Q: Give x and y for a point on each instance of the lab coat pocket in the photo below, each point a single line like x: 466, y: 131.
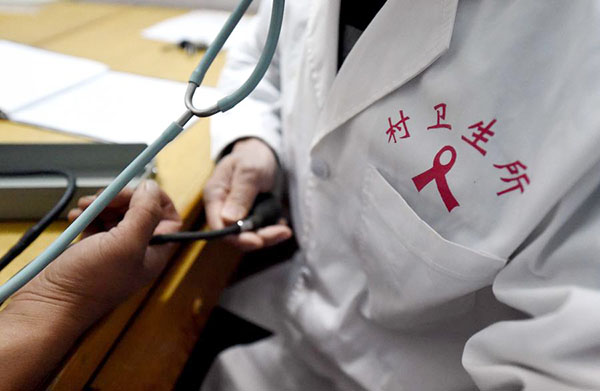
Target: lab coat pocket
x: 413, y: 275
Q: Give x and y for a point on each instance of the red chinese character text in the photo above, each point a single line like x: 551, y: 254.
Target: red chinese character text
x: 441, y: 116
x: 399, y: 127
x: 438, y: 173
x: 481, y: 134
x: 520, y: 179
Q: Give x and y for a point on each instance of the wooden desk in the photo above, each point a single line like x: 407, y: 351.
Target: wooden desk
x: 52, y: 21
x: 143, y: 344
x: 128, y: 51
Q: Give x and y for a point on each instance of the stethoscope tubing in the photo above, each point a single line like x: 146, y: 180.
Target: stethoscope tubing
x: 64, y: 240
x: 169, y: 134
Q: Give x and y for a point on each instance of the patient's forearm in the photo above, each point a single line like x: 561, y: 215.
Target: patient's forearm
x: 34, y: 337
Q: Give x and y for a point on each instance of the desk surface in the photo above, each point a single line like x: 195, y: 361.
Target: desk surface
x: 51, y: 21
x: 146, y: 341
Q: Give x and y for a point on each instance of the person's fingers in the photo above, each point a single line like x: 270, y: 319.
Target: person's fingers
x: 264, y: 237
x: 215, y: 192
x: 157, y: 256
x: 168, y: 208
x: 85, y: 201
x: 121, y: 200
x: 246, y: 241
x: 109, y: 217
x: 274, y: 234
x: 73, y: 214
x: 144, y: 213
x: 212, y: 211
x: 244, y: 188
x: 167, y: 227
x: 171, y: 221
x: 91, y: 229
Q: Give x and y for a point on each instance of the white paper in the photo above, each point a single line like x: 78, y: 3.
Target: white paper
x: 116, y: 107
x: 22, y: 6
x: 25, y: 2
x: 28, y: 74
x: 201, y: 26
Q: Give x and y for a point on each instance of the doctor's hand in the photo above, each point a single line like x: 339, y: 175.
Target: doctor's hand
x: 249, y: 169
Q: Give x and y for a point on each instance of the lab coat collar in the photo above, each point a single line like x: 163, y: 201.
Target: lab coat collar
x: 403, y: 40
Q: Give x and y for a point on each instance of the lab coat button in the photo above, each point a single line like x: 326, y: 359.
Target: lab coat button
x: 319, y: 168
x: 305, y: 276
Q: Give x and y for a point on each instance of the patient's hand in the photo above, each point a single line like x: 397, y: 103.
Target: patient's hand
x: 45, y: 317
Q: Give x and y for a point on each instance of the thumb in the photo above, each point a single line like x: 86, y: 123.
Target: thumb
x: 144, y: 212
x: 241, y: 196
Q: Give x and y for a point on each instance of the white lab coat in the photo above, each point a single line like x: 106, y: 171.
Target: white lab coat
x: 486, y: 278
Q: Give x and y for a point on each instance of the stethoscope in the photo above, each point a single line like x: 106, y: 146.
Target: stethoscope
x: 168, y: 135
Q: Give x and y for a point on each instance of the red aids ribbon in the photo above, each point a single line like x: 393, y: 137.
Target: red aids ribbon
x: 438, y: 173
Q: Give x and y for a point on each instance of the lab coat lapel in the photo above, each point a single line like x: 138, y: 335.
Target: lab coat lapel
x: 403, y: 40
x: 322, y: 46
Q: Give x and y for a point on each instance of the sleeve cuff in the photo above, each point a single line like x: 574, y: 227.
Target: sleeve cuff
x: 248, y: 119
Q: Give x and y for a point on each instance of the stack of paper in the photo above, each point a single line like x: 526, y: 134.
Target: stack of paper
x: 28, y: 75
x: 201, y: 26
x: 24, y: 2
x: 84, y: 97
x: 22, y: 6
x: 117, y: 107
